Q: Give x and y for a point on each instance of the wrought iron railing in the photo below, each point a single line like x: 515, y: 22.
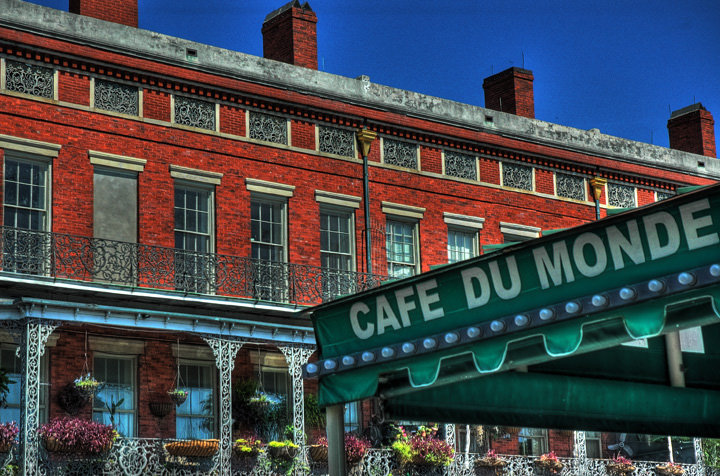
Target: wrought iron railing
x: 131, y: 264
x: 139, y: 456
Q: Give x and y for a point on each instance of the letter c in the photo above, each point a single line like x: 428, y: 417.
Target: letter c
x: 355, y: 309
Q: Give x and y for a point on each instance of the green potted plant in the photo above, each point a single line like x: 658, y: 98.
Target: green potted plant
x: 178, y: 396
x: 87, y: 385
x: 248, y: 447
x: 283, y: 450
x: 422, y: 451
x: 76, y: 435
x: 8, y: 436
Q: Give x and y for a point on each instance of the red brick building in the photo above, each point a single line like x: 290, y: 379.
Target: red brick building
x: 171, y: 207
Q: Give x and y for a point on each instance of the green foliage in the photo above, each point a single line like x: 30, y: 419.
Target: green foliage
x: 314, y: 415
x: 403, y: 452
x: 711, y: 452
x: 4, y: 387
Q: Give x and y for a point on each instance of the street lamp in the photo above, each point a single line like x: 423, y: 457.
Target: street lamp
x: 365, y: 138
x: 598, y: 185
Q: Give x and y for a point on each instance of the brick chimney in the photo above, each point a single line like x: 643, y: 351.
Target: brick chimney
x: 511, y: 91
x: 290, y: 36
x: 692, y: 129
x: 124, y: 12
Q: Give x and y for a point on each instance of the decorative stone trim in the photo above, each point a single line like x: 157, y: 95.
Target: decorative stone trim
x: 116, y: 161
x: 398, y: 209
x: 116, y: 346
x: 195, y: 175
x: 338, y: 199
x: 523, y: 232
x: 269, y: 188
x: 465, y: 221
x: 34, y: 147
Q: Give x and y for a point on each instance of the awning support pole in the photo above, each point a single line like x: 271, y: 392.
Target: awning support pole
x: 336, y: 439
x: 675, y: 370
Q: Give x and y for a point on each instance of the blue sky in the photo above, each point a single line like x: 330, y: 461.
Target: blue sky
x: 618, y: 66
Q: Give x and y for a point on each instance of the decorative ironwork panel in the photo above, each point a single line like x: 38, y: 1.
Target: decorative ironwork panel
x: 117, y: 97
x: 460, y: 165
x: 268, y: 128
x: 570, y: 186
x: 194, y: 113
x: 131, y: 264
x: 296, y: 357
x: 450, y: 434
x: 33, y: 347
x: 29, y: 79
x: 621, y: 195
x: 580, y: 449
x: 225, y: 351
x: 517, y: 176
x: 664, y: 195
x: 402, y: 154
x: 336, y: 141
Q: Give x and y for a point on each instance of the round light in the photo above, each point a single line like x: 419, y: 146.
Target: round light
x: 573, y: 307
x: 497, y: 326
x: 627, y: 294
x: 429, y: 343
x: 715, y: 270
x: 656, y: 286
x: 387, y: 352
x: 521, y: 320
x: 330, y: 364
x: 408, y: 347
x: 686, y: 279
x: 473, y: 332
x: 368, y: 356
x: 451, y: 337
x: 348, y: 360
x: 546, y: 314
x: 311, y: 368
x: 599, y: 300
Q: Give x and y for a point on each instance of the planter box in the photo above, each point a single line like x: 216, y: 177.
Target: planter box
x: 54, y: 446
x: 193, y: 448
x: 284, y: 453
x: 319, y: 453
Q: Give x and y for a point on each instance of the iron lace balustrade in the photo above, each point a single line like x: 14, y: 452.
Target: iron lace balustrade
x: 81, y: 258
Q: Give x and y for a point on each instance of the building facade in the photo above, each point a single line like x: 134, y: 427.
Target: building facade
x: 170, y: 208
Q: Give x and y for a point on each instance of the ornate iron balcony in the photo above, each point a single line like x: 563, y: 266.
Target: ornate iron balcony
x: 130, y: 264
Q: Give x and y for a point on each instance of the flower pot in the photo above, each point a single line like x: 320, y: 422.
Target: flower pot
x: 52, y: 445
x: 490, y: 467
x: 193, y: 448
x: 662, y: 470
x: 178, y: 398
x: 160, y: 409
x: 319, y: 453
x: 547, y: 468
x: 284, y: 453
x: 619, y: 469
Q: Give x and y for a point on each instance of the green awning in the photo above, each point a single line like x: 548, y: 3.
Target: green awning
x: 448, y: 340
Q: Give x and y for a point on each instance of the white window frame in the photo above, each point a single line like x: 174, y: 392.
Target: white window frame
x: 214, y: 387
x: 541, y: 438
x: 514, y: 232
x: 594, y: 439
x: 464, y: 224
x: 135, y: 388
x: 415, y: 266
x: 473, y: 234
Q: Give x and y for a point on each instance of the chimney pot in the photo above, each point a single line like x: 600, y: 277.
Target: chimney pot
x: 290, y: 35
x: 511, y: 91
x: 124, y: 12
x: 692, y: 129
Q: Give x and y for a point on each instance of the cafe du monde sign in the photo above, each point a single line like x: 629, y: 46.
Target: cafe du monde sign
x: 642, y: 254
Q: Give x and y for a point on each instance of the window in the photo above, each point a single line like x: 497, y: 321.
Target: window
x: 268, y: 128
x: 621, y: 195
x: 194, y: 113
x: 401, y: 246
x: 402, y: 154
x: 275, y: 379
x: 25, y: 208
x: 336, y: 252
x: 570, y: 186
x: 116, y: 97
x: 517, y: 176
x: 336, y: 141
x: 352, y: 417
x: 460, y: 165
x: 10, y: 362
x: 30, y: 79
x: 514, y: 232
x: 593, y: 444
x: 195, y: 418
x: 115, y: 402
x: 268, y: 248
x: 462, y: 245
x: 533, y: 441
x: 193, y: 238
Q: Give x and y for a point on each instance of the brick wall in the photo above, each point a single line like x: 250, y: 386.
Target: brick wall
x: 511, y: 91
x: 117, y: 11
x: 290, y: 36
x: 692, y: 129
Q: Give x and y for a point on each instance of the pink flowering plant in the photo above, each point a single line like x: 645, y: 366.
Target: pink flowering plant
x: 620, y: 465
x: 550, y: 462
x: 78, y: 435
x: 8, y: 433
x: 355, y: 447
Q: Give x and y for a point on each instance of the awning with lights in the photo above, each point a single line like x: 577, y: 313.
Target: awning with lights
x: 530, y: 334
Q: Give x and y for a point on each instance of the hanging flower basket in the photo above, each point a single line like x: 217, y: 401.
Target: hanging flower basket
x: 193, y: 448
x: 178, y: 396
x: 160, y: 404
x: 548, y: 464
x: 620, y: 466
x: 87, y: 385
x: 282, y: 450
x: 669, y: 469
x: 248, y: 448
x: 490, y: 465
x: 318, y: 453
